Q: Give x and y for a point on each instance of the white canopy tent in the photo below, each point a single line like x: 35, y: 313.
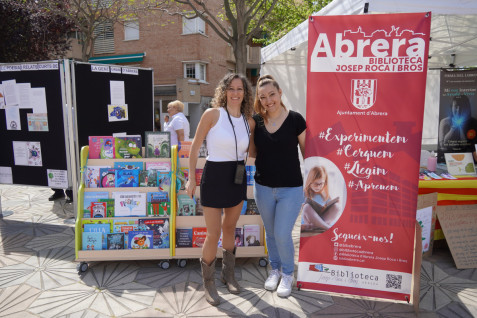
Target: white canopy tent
x: 453, y: 44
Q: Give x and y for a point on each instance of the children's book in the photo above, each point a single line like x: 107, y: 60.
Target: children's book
x: 115, y: 241
x: 184, y: 149
x: 199, y: 210
x: 109, y: 207
x: 157, y: 197
x: 186, y: 205
x: 129, y: 204
x: 129, y: 165
x: 127, y: 147
x: 250, y: 170
x: 102, y: 228
x: 251, y: 235
x: 101, y: 147
x: 184, y: 237
x: 92, y: 241
x: 92, y: 197
x: 127, y: 178
x: 244, y: 208
x: 158, y: 204
x: 151, y: 178
x: 143, y: 178
x: 198, y: 175
x: 160, y: 229
x: 91, y: 176
x: 140, y: 239
x: 219, y: 243
x: 159, y: 165
x: 164, y: 181
x: 124, y: 226
x: 107, y: 177
x: 109, y: 222
x: 98, y: 209
x: 198, y: 236
x: 203, y: 150
x: 252, y: 208
x: 158, y: 144
x: 238, y: 236
x: 321, y: 209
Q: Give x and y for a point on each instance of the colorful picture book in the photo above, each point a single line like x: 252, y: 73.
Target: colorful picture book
x: 164, y: 181
x: 109, y: 222
x: 140, y: 239
x: 160, y: 229
x: 92, y: 176
x: 158, y: 144
x: 184, y: 237
x: 158, y: 204
x: 107, y: 177
x: 185, y: 205
x: 250, y: 170
x: 244, y: 208
x: 198, y: 236
x: 101, y: 228
x: 198, y: 175
x: 199, y: 210
x: 238, y: 237
x: 203, y: 150
x: 92, y: 241
x: 124, y: 226
x: 109, y: 207
x: 115, y: 241
x: 98, y: 209
x: 101, y: 147
x: 184, y: 149
x: 129, y: 203
x: 127, y: 178
x: 160, y: 166
x: 92, y: 197
x: 251, y: 235
x: 127, y: 147
x: 129, y: 165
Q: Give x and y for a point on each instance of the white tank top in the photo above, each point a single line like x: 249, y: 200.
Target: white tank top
x: 221, y: 140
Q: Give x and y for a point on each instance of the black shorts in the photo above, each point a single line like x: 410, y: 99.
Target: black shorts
x: 217, y: 187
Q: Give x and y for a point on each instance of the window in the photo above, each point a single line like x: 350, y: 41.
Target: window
x: 195, y: 70
x: 104, y: 42
x: 131, y: 30
x: 101, y: 4
x: 191, y: 26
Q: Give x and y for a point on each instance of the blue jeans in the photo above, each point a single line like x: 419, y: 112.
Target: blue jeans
x: 279, y: 208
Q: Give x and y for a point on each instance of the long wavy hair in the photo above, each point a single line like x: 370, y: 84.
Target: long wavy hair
x: 262, y: 81
x: 317, y: 172
x: 220, y: 96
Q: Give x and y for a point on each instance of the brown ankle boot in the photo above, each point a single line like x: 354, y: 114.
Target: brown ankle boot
x: 228, y: 272
x: 210, y: 290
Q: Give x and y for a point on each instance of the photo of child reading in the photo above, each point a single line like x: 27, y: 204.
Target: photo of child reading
x: 322, y: 208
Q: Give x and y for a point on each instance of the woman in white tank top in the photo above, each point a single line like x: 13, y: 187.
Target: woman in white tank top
x: 227, y: 128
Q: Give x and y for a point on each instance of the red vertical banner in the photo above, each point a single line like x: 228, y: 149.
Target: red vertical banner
x: 365, y: 106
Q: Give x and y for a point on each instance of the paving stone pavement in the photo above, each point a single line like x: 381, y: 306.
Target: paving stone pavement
x: 38, y: 278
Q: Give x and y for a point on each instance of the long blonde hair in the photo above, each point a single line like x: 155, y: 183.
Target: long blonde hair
x: 316, y: 172
x: 220, y: 96
x: 262, y: 81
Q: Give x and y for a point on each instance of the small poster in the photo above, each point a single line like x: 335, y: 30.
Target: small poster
x: 6, y: 175
x: 27, y: 153
x: 37, y: 122
x: 12, y: 116
x: 460, y: 163
x: 38, y: 100
x: 424, y: 218
x: 116, y: 89
x: 117, y: 112
x: 57, y: 179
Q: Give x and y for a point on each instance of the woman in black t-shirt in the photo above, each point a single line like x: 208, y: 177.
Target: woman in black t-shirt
x: 278, y: 187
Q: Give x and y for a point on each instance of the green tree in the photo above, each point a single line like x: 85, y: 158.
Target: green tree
x: 31, y: 32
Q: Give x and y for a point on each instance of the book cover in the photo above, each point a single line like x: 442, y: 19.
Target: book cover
x: 244, y: 208
x: 151, y: 178
x: 91, y: 176
x: 159, y: 165
x: 143, y: 178
x: 252, y: 208
x: 203, y: 150
x: 184, y: 149
x: 118, y: 224
x: 164, y: 181
x: 251, y: 235
x: 129, y: 165
x: 238, y: 237
x: 198, y: 175
x: 92, y: 241
x: 160, y: 229
x: 129, y: 203
x: 219, y: 243
x: 140, y: 239
x: 157, y: 197
x: 199, y: 210
x: 92, y: 197
x: 127, y: 147
x: 107, y: 177
x: 97, y: 221
x: 98, y: 209
x: 101, y: 147
x: 158, y: 144
x: 185, y: 205
x: 184, y: 237
x: 115, y: 241
x: 250, y: 170
x: 159, y: 209
x: 127, y: 178
x: 109, y: 207
x: 198, y: 236
x: 101, y: 228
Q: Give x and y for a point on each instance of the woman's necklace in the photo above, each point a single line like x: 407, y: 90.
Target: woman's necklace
x: 274, y: 122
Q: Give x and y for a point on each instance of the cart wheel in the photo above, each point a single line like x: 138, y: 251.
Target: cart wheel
x: 263, y: 262
x: 164, y: 264
x: 181, y: 263
x: 82, y: 267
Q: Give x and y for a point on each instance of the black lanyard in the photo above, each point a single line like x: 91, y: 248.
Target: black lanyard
x: 247, y: 127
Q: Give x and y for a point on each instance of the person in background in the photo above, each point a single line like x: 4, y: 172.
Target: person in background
x: 59, y: 194
x: 179, y: 125
x: 278, y: 186
x: 166, y: 122
x: 223, y: 187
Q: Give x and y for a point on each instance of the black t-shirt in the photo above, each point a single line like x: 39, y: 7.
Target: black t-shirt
x: 277, y: 163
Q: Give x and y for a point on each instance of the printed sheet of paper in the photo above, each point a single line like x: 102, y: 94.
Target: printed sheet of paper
x: 424, y: 217
x: 38, y: 100
x: 117, y: 92
x: 57, y: 179
x: 10, y: 90
x: 24, y: 94
x: 37, y: 122
x: 27, y: 153
x: 2, y: 97
x: 12, y: 116
x: 6, y: 175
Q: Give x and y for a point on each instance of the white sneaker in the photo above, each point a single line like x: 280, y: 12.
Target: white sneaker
x: 285, y: 287
x: 273, y: 278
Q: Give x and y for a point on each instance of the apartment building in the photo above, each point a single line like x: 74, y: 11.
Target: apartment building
x: 187, y: 56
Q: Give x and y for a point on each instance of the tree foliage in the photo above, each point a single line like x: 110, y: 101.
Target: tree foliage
x: 286, y: 15
x: 30, y: 32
